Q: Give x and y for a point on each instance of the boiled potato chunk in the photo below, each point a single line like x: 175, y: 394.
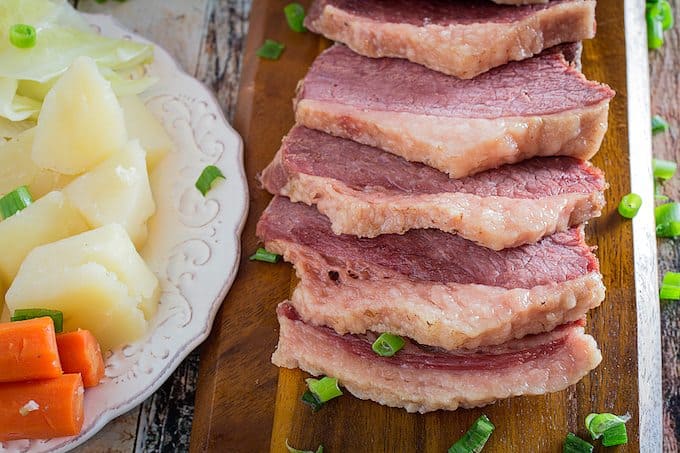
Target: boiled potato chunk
x: 47, y: 220
x: 81, y: 123
x: 18, y: 169
x: 116, y: 191
x: 142, y: 125
x: 97, y: 279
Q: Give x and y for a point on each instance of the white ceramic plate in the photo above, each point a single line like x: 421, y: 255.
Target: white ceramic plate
x: 193, y: 247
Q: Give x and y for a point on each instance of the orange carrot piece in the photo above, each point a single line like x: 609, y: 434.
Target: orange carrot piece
x: 80, y: 353
x: 28, y: 350
x: 41, y: 409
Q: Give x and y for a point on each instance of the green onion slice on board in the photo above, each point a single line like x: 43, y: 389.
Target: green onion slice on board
x: 659, y: 124
x: 387, y: 344
x: 22, y: 314
x: 271, y: 50
x: 13, y: 202
x: 325, y: 389
x: 664, y: 169
x: 295, y: 16
x: 654, y: 33
x: 475, y: 438
x: 667, y: 220
x: 670, y: 286
x: 630, y: 205
x: 265, y: 256
x: 616, y: 435
x: 574, y: 444
x: 209, y: 176
x: 597, y: 424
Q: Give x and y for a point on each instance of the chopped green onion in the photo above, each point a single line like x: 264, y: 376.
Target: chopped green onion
x: 271, y: 50
x: 670, y: 287
x: 264, y: 255
x: 658, y: 192
x: 312, y: 400
x: 664, y: 169
x: 475, y: 438
x: 654, y: 33
x: 574, y: 444
x: 659, y: 124
x: 616, y: 435
x: 667, y: 220
x: 13, y: 202
x: 22, y: 36
x: 630, y: 205
x: 295, y: 450
x: 662, y: 12
x: 23, y: 314
x: 295, y: 16
x: 209, y: 175
x: 597, y: 424
x: 325, y: 389
x: 386, y: 345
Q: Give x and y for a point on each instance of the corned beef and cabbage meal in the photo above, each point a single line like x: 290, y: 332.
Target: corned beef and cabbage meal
x: 76, y: 148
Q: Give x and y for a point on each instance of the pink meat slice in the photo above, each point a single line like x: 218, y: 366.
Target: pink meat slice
x: 537, y: 107
x: 422, y: 379
x: 429, y: 255
x: 458, y: 37
x: 368, y: 192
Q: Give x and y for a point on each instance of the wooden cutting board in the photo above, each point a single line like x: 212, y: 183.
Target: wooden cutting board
x: 244, y: 403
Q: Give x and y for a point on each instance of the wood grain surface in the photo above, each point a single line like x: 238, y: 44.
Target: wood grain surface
x: 248, y: 404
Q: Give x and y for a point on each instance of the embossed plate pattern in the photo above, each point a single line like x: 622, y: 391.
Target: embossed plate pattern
x: 193, y: 247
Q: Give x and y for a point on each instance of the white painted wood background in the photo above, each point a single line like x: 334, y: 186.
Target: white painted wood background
x: 206, y: 37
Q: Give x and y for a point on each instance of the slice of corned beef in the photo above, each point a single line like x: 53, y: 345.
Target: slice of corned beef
x: 462, y: 38
x: 422, y: 379
x: 541, y: 106
x: 432, y: 286
x: 367, y: 192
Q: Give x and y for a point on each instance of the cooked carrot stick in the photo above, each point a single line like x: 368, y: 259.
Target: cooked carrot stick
x: 28, y: 350
x: 80, y: 353
x: 41, y: 409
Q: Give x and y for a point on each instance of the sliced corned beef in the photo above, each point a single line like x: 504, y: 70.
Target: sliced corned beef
x: 536, y: 107
x: 435, y: 287
x: 367, y: 192
x: 462, y: 38
x: 422, y: 379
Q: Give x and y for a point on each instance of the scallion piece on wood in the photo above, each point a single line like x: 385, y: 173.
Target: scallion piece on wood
x: 325, y: 389
x: 616, y: 435
x: 662, y: 12
x: 659, y: 124
x: 387, y: 344
x: 15, y: 201
x: 271, y: 50
x: 23, y: 314
x: 630, y: 205
x: 664, y: 169
x: 654, y: 33
x: 312, y: 400
x: 597, y: 424
x: 22, y: 36
x: 264, y: 255
x: 667, y: 220
x: 574, y: 444
x: 295, y: 450
x: 474, y: 440
x: 670, y: 287
x: 209, y: 175
x: 295, y: 16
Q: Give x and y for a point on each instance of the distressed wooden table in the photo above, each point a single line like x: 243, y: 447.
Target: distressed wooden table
x: 207, y: 37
